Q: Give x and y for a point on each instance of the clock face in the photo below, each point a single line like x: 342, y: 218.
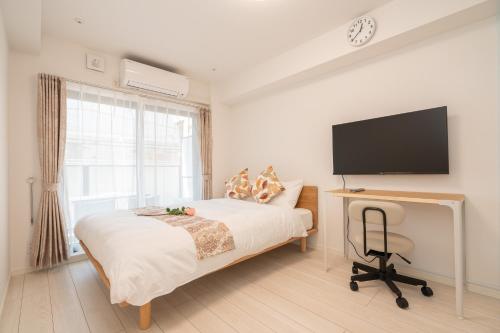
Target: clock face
x: 361, y: 30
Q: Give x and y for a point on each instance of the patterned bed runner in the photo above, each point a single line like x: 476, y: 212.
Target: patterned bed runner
x: 210, y: 237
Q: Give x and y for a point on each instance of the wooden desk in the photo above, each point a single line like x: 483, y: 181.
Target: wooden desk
x: 454, y: 201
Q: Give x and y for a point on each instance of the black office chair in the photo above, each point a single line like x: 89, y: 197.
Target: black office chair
x: 382, y: 244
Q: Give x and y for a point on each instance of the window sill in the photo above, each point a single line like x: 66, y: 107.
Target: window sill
x: 77, y: 256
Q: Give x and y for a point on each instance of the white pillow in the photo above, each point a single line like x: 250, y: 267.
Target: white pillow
x: 289, y: 197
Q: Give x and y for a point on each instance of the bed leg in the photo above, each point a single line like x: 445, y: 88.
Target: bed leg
x: 145, y: 316
x: 303, y: 244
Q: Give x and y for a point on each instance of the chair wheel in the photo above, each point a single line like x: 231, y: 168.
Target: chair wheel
x: 427, y: 291
x: 354, y: 286
x: 354, y: 270
x: 402, y: 302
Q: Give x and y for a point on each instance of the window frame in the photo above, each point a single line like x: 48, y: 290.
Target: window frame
x: 139, y: 104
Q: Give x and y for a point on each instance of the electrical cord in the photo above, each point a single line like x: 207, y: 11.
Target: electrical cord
x: 348, y: 239
x: 355, y: 250
x: 354, y: 247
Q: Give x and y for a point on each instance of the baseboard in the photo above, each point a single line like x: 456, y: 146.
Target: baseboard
x: 480, y: 289
x: 428, y: 276
x: 3, y: 297
x: 26, y: 270
x: 424, y: 275
x: 22, y: 271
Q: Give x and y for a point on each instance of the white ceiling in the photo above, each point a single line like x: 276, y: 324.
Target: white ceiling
x: 194, y: 36
x: 23, y: 23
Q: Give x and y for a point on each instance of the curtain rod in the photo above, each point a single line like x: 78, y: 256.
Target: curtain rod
x: 142, y: 94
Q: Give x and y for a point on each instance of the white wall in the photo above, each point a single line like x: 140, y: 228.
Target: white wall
x: 400, y: 23
x: 4, y: 232
x: 59, y: 58
x: 292, y: 131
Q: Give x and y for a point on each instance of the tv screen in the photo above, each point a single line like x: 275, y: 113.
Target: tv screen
x: 414, y: 142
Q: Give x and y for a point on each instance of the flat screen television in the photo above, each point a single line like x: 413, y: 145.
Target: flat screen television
x: 407, y: 143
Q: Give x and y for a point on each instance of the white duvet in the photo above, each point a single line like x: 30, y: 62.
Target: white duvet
x: 144, y: 258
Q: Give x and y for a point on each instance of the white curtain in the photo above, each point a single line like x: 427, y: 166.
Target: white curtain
x: 124, y: 151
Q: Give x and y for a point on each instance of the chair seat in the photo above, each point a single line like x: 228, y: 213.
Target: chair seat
x: 396, y: 243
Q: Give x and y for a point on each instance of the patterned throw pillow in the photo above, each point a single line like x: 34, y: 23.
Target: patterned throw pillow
x: 267, y: 186
x: 238, y: 186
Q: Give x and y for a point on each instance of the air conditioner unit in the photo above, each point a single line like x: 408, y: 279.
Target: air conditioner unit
x: 136, y: 75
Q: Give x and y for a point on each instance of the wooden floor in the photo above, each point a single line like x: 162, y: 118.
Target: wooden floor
x: 281, y: 291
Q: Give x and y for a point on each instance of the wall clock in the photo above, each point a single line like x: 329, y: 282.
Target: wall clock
x: 361, y: 30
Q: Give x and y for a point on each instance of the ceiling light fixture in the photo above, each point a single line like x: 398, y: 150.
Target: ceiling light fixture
x: 79, y: 20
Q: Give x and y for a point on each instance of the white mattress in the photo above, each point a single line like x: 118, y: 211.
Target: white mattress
x: 306, y: 217
x: 144, y: 258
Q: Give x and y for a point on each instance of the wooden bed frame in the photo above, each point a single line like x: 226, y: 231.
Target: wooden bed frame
x: 308, y: 199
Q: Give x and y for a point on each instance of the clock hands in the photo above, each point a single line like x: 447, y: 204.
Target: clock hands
x: 353, y: 38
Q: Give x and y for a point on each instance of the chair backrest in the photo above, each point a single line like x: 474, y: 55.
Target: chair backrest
x: 395, y: 213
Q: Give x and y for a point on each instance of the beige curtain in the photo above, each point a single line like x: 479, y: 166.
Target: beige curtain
x: 206, y: 152
x: 49, y: 237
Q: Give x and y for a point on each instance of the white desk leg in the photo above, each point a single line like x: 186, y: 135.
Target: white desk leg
x: 458, y: 227
x: 458, y: 232
x: 325, y: 233
x: 345, y: 215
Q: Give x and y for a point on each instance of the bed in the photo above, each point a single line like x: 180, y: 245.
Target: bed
x: 139, y: 258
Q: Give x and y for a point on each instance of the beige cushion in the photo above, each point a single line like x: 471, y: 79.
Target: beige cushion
x: 238, y: 186
x: 396, y: 243
x: 395, y: 213
x: 267, y: 186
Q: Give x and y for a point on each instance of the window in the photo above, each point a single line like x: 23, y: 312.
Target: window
x: 125, y: 151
